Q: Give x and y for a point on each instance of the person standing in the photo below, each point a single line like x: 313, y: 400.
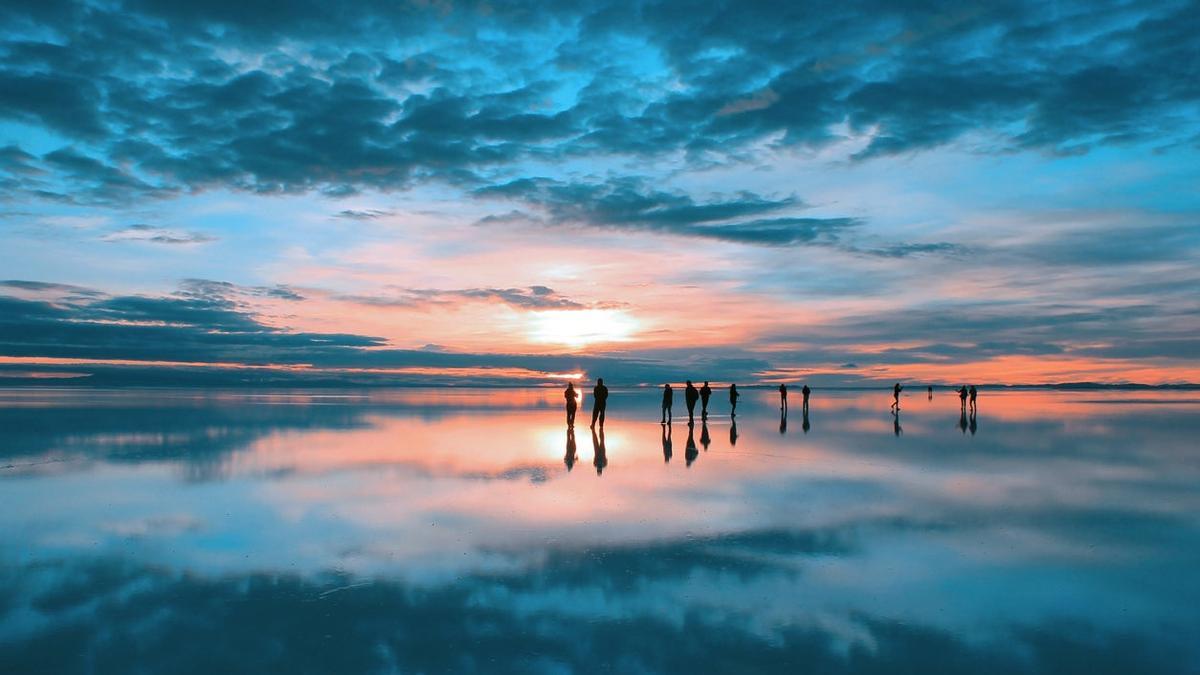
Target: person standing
x: 805, y: 392
x: 689, y: 397
x: 667, y: 401
x: 733, y: 397
x: 930, y: 390
x: 973, y: 393
x: 572, y: 403
x: 962, y: 397
x: 782, y: 396
x: 599, y: 402
x: 896, y: 389
x: 705, y: 394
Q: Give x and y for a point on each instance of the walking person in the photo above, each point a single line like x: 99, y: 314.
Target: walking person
x: 705, y: 394
x: 690, y: 395
x: 733, y: 397
x: 572, y: 403
x: 668, y: 399
x: 896, y: 389
x: 599, y: 402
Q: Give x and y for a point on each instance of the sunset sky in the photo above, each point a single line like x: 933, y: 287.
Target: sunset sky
x: 458, y: 192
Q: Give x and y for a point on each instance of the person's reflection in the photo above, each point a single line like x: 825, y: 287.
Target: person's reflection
x: 973, y: 426
x: 599, y: 455
x: 962, y: 420
x: 733, y: 433
x: 804, y: 425
x: 666, y: 441
x: 691, y: 453
x: 783, y: 421
x: 896, y: 428
x: 569, y: 458
x: 705, y: 439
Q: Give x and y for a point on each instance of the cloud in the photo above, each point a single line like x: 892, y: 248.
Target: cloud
x: 157, y: 235
x: 629, y: 204
x: 533, y: 297
x: 365, y: 214
x: 48, y: 287
x: 158, y: 100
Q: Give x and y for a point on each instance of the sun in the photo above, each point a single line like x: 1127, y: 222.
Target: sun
x: 583, y: 327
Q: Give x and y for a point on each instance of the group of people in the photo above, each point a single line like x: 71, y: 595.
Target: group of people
x: 964, y: 392
x: 967, y: 395
x: 599, y: 402
x: 691, y: 395
x: 702, y: 395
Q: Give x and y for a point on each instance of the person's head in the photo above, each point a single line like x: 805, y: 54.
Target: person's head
x: 689, y: 383
x: 600, y: 381
x: 570, y: 385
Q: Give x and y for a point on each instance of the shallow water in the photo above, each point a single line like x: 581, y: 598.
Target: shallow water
x: 451, y: 531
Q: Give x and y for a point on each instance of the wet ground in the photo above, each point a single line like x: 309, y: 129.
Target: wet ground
x: 446, y: 531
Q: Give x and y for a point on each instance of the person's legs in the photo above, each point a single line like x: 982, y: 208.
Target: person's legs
x: 602, y: 409
x: 595, y: 413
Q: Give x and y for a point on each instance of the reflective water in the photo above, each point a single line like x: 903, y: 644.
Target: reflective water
x: 445, y: 531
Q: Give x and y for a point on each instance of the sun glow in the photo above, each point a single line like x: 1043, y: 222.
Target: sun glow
x: 580, y: 328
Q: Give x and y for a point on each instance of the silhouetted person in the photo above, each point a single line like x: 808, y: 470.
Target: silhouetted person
x: 705, y: 440
x: 805, y: 393
x: 804, y: 426
x: 569, y: 458
x: 666, y: 441
x: 572, y: 403
x: 782, y: 420
x: 599, y: 401
x: 782, y: 396
x: 973, y: 426
x: 973, y: 394
x: 690, y: 453
x: 668, y: 400
x: 962, y: 397
x: 599, y: 454
x: 896, y: 389
x: 690, y: 395
x: 733, y: 397
x: 733, y: 434
x: 930, y: 390
x: 896, y: 422
x: 705, y: 394
x: 962, y: 419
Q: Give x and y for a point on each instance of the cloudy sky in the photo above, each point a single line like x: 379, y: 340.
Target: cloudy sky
x: 448, y: 191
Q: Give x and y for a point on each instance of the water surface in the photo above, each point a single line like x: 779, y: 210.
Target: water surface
x: 456, y: 531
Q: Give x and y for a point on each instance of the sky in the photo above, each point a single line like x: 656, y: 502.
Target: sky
x: 469, y: 193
